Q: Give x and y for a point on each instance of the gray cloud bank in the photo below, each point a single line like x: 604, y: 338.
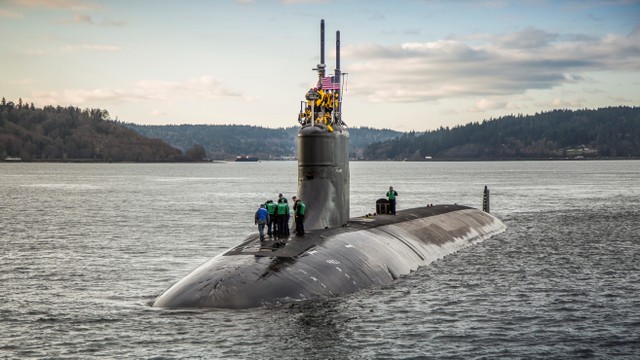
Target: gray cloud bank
x: 502, y: 65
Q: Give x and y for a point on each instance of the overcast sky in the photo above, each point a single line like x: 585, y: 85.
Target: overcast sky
x: 411, y: 64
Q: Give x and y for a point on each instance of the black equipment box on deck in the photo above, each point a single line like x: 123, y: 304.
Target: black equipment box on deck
x: 382, y: 207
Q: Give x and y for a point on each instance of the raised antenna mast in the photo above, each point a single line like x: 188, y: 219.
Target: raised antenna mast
x: 338, y: 53
x: 321, y: 66
x: 322, y: 42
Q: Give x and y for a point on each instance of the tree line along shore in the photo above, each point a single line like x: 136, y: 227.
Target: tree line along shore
x: 55, y: 133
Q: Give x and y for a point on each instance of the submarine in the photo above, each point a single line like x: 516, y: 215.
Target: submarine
x: 337, y: 255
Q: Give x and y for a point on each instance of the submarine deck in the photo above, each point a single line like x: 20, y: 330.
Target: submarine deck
x: 294, y: 246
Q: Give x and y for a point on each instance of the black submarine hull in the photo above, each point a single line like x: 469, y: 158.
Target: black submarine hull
x: 368, y: 252
x: 336, y: 256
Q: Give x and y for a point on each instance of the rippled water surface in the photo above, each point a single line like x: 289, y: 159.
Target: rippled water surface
x: 86, y: 247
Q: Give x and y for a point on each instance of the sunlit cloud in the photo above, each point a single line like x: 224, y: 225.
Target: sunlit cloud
x: 22, y: 82
x: 74, y: 5
x: 79, y: 19
x: 82, y: 19
x: 622, y: 100
x: 31, y: 53
x: 113, y: 23
x: 209, y: 88
x: 558, y: 103
x: 303, y: 1
x: 90, y: 47
x: 204, y: 87
x: 285, y: 2
x: 10, y: 14
x: 486, y: 105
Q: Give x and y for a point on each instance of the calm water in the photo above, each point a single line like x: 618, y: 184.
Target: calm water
x: 85, y: 247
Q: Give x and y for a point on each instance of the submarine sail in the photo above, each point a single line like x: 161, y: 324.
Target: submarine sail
x: 323, y: 149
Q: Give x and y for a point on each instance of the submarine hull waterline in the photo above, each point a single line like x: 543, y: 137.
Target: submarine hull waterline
x: 368, y: 252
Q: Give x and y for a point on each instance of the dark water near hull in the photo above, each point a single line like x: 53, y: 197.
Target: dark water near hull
x: 85, y: 247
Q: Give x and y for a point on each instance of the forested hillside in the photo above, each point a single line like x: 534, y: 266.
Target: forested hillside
x: 71, y: 134
x: 228, y: 141
x: 55, y: 133
x: 225, y: 141
x: 612, y: 132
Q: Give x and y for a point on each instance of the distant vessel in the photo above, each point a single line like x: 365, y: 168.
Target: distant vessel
x: 13, y: 158
x: 337, y: 255
x: 246, y: 158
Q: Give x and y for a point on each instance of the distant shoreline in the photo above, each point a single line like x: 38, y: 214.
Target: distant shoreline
x: 83, y: 161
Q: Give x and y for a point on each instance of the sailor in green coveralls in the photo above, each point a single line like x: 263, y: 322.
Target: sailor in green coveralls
x: 299, y: 209
x: 391, y: 195
x: 272, y: 225
x: 281, y: 217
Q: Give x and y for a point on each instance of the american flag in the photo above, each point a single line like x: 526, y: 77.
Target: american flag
x: 330, y: 83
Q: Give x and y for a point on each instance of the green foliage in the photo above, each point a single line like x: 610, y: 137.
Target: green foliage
x: 606, y: 132
x: 227, y: 141
x: 196, y: 153
x: 360, y: 138
x: 71, y: 134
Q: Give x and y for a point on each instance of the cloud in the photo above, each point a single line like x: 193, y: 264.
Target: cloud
x: 304, y: 2
x: 82, y: 19
x: 31, y: 53
x: 621, y: 99
x: 113, y: 23
x: 74, y: 5
x: 209, y: 88
x: 204, y: 87
x: 10, y: 14
x: 22, y: 82
x: 375, y: 15
x: 559, y: 103
x: 68, y: 5
x: 79, y: 19
x: 575, y: 78
x: 528, y: 38
x: 91, y: 47
x: 485, y: 105
x: 496, y: 66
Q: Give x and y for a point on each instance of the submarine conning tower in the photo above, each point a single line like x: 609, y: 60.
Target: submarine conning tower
x: 323, y: 149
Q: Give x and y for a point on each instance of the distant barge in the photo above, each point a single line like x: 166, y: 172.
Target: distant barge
x: 246, y: 158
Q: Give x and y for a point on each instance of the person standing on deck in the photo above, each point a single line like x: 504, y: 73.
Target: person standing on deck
x: 295, y: 205
x: 261, y: 219
x: 271, y: 224
x: 286, y: 220
x: 299, y: 209
x: 281, y: 218
x: 391, y: 195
